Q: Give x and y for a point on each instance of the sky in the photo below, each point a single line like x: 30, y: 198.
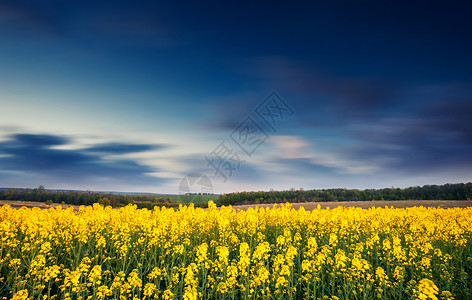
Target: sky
x: 142, y: 96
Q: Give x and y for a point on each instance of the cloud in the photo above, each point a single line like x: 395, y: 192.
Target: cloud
x: 33, y: 154
x: 452, y: 117
x: 227, y: 112
x: 118, y: 148
x: 290, y: 147
x: 346, y: 94
x: 303, y: 155
x: 436, y: 137
x: 374, y: 124
x: 304, y: 167
x: 39, y: 140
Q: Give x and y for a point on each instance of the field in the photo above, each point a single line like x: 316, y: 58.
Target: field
x: 256, y: 253
x: 369, y: 204
x: 186, y: 199
x: 29, y: 204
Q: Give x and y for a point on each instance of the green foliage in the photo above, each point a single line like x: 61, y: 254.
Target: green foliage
x: 459, y: 191
x: 197, y: 199
x: 40, y: 194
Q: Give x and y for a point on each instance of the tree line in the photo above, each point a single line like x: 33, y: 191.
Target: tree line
x: 40, y: 194
x: 459, y: 191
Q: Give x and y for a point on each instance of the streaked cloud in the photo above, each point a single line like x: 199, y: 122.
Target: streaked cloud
x: 118, y: 148
x: 34, y: 153
x: 134, y: 95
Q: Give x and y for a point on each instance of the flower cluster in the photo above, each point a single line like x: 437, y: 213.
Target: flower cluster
x: 191, y: 253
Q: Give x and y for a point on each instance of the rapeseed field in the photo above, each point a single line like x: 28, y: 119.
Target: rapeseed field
x: 273, y: 253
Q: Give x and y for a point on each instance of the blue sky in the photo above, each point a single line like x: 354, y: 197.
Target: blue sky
x: 129, y: 96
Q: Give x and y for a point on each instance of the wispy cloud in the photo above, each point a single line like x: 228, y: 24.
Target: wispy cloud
x: 35, y: 154
x: 291, y: 147
x: 295, y: 151
x: 119, y: 148
x: 435, y: 137
x: 347, y: 94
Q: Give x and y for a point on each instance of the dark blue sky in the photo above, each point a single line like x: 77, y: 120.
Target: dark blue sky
x: 132, y: 96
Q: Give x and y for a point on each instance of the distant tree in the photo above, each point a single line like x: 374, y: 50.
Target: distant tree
x: 105, y: 201
x: 39, y: 193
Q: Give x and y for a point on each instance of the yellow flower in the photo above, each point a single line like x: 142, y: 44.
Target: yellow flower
x: 446, y: 295
x: 222, y: 288
x: 259, y: 253
x: 103, y: 291
x: 149, y: 290
x: 427, y: 290
x: 167, y: 295
x: 20, y: 295
x: 155, y: 273
x: 14, y: 263
x: 51, y: 273
x: 95, y: 275
x: 202, y: 253
x: 134, y: 280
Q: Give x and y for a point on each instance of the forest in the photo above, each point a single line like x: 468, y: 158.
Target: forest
x: 459, y: 191
x: 40, y: 194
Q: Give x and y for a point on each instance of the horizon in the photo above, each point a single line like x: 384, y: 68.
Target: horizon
x: 209, y: 96
x: 177, y: 194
